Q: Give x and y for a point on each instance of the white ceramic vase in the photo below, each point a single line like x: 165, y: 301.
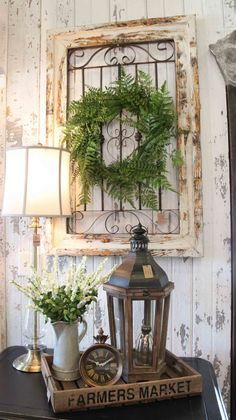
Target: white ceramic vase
x: 65, y: 364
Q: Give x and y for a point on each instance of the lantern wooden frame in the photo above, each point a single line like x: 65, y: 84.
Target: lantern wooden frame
x: 132, y: 373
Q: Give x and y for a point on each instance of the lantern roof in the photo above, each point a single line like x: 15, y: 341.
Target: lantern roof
x: 139, y: 269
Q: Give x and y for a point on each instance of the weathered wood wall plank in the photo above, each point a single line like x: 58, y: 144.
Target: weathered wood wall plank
x: 193, y: 7
x: 118, y: 10
x: 202, y: 269
x: 166, y: 265
x: 17, y: 126
x: 137, y: 12
x: 216, y: 197
x: 48, y: 21
x: 229, y: 12
x: 221, y: 276
x: 200, y: 309
x: 155, y: 8
x: 3, y: 71
x: 178, y: 325
x: 65, y: 10
x: 173, y: 8
x: 83, y: 12
x: 100, y: 11
x: 229, y: 15
x: 182, y: 311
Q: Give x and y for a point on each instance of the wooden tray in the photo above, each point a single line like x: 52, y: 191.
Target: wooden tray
x: 179, y: 380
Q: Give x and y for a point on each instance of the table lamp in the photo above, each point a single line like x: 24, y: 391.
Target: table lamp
x: 36, y: 185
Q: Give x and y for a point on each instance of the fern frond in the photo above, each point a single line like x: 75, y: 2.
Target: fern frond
x: 133, y: 101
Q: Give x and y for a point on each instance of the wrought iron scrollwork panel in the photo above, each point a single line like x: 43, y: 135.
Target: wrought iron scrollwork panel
x: 120, y: 221
x: 98, y: 67
x: 143, y: 53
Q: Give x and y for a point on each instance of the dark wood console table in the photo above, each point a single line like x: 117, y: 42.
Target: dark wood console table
x: 23, y: 395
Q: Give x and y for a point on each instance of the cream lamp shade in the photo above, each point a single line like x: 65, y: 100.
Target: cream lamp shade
x: 37, y: 182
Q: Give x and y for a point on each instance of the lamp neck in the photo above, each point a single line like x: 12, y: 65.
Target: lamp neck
x: 35, y: 224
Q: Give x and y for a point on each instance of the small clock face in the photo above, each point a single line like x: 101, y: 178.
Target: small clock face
x: 101, y: 364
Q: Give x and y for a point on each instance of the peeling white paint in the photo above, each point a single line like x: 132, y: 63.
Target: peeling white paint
x: 183, y: 333
x: 200, y: 309
x: 217, y: 365
x: 197, y: 350
x: 230, y: 13
x: 220, y: 319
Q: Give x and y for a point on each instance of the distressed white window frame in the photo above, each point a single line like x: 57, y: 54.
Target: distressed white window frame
x: 182, y: 30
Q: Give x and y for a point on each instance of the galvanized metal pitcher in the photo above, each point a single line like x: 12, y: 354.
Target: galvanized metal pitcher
x: 65, y: 365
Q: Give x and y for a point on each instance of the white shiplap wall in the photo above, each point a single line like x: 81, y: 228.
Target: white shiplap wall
x: 200, y: 311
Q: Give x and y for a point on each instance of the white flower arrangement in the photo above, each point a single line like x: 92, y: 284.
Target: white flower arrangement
x: 65, y: 301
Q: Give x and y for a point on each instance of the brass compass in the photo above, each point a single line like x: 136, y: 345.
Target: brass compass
x: 101, y: 364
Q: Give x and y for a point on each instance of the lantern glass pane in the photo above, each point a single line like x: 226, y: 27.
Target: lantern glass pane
x: 143, y: 316
x: 118, y: 308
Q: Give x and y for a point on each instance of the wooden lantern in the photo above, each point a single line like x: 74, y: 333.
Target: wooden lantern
x: 138, y: 296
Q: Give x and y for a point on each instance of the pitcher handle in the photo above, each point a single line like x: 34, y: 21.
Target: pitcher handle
x: 84, y: 329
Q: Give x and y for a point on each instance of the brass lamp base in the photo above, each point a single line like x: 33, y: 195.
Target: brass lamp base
x: 29, y: 362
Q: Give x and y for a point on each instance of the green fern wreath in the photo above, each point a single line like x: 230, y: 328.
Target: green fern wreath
x: 135, y: 103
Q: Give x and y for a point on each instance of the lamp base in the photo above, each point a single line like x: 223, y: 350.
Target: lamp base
x: 29, y: 362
